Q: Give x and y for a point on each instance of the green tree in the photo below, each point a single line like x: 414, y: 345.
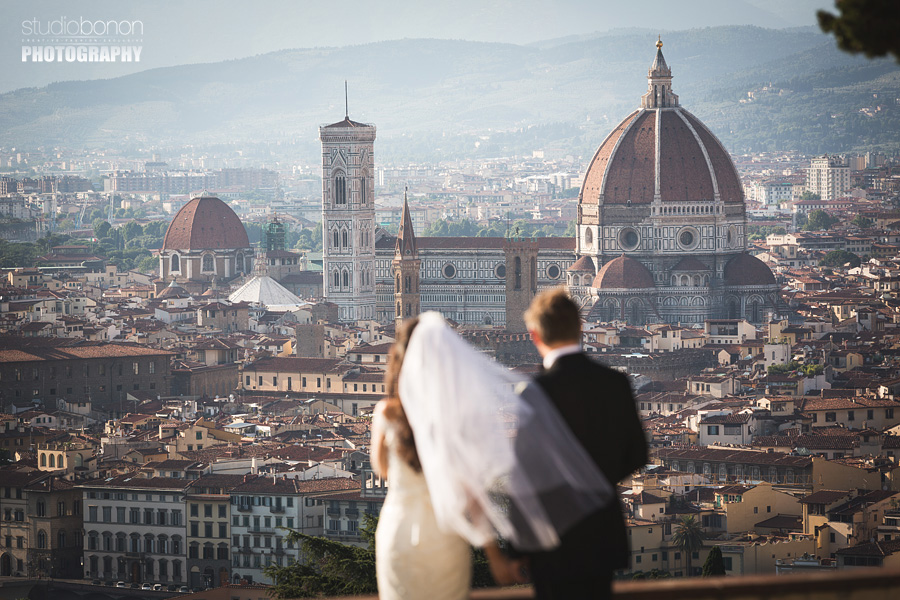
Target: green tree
x: 783, y: 368
x: 808, y: 195
x: 131, y: 230
x: 715, y: 564
x: 819, y: 220
x: 156, y: 228
x: 101, y: 228
x: 839, y: 258
x: 867, y: 26
x: 327, y: 568
x: 310, y: 239
x: 148, y: 264
x: 862, y: 222
x: 688, y: 538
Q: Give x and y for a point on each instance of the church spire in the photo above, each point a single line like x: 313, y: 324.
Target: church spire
x: 659, y: 83
x: 406, y: 238
x: 405, y: 268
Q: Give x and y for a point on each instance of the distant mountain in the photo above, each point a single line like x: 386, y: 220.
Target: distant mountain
x: 174, y: 32
x: 434, y: 98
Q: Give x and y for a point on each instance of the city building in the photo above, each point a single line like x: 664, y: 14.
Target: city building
x: 53, y: 369
x: 829, y: 177
x: 661, y: 217
x: 135, y: 529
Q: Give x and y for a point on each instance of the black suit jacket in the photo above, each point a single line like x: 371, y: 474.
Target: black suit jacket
x: 598, y: 406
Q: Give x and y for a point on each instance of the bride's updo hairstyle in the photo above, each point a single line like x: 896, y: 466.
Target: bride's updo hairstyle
x: 393, y: 409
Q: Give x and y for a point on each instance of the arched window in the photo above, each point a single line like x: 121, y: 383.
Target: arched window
x: 732, y: 309
x: 611, y: 311
x: 52, y: 461
x: 408, y: 283
x: 41, y: 539
x: 363, y: 192
x: 635, y: 313
x: 588, y: 238
x: 207, y: 263
x: 175, y: 263
x: 346, y: 279
x: 337, y: 242
x: 43, y: 460
x: 340, y: 188
x: 344, y: 239
x: 398, y: 283
x: 399, y: 313
x: 518, y: 273
x: 239, y: 262
x: 754, y: 311
x: 337, y: 278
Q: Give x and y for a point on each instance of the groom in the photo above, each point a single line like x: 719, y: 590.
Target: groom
x: 597, y: 404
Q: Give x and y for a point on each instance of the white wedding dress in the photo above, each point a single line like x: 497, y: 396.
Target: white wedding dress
x: 414, y: 559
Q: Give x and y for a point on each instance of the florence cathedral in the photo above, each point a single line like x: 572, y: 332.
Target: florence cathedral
x: 661, y: 236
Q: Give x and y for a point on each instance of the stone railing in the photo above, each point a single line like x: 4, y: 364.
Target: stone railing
x: 850, y: 584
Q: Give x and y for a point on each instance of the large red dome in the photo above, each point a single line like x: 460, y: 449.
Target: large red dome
x: 661, y: 151
x: 205, y: 223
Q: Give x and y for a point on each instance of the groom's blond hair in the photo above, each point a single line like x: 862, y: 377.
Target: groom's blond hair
x: 554, y: 317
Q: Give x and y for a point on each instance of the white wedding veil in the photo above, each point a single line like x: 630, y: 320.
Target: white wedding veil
x: 497, y: 457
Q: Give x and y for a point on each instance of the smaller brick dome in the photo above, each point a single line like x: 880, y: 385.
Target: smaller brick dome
x: 745, y: 269
x: 623, y: 273
x: 582, y: 265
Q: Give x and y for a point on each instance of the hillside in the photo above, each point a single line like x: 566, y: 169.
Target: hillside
x: 436, y: 98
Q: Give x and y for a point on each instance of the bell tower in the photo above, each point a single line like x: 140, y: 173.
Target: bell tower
x: 521, y: 281
x: 406, y: 265
x: 348, y: 218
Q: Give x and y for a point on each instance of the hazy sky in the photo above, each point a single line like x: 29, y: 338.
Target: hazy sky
x: 180, y: 32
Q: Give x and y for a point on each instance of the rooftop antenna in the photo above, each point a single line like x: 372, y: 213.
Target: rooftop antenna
x: 346, y: 101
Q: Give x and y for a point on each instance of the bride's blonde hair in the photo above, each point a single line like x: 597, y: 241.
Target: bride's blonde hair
x: 393, y: 409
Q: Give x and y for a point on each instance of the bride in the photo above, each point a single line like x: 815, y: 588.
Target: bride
x: 467, y: 460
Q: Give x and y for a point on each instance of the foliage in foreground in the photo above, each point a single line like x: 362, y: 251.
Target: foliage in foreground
x: 715, y: 564
x: 328, y: 568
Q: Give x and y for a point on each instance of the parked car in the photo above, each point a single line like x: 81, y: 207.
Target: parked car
x: 172, y: 588
x: 146, y: 586
x: 157, y: 587
x: 184, y: 589
x: 121, y: 584
x: 135, y: 586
